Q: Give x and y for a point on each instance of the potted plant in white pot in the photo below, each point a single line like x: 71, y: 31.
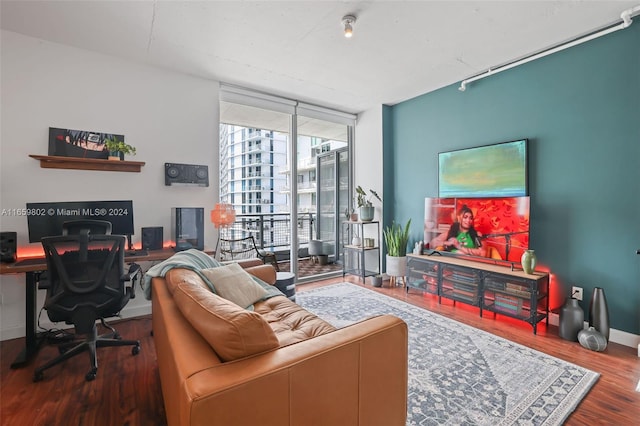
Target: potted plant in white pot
x: 117, y: 149
x: 396, y: 238
x: 365, y: 204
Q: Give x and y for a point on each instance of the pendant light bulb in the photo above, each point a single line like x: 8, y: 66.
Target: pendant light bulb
x: 348, y: 22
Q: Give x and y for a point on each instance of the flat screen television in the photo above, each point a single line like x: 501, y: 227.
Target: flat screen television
x: 46, y: 219
x: 498, y: 170
x: 501, y: 224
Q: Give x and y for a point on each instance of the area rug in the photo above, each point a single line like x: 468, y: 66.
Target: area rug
x: 459, y: 375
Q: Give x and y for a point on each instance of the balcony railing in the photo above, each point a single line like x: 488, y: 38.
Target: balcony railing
x: 271, y: 231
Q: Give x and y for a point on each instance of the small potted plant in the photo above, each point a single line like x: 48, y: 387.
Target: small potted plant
x: 365, y: 204
x: 117, y: 149
x: 351, y: 215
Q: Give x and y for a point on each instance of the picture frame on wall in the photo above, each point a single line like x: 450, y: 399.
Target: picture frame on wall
x: 79, y: 143
x: 498, y: 170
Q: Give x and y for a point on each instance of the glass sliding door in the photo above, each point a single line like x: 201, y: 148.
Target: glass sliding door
x: 333, y: 199
x: 269, y: 151
x: 324, y: 145
x: 254, y: 152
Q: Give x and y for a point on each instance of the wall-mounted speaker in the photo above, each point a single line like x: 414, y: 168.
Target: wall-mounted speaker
x: 186, y: 174
x: 8, y: 247
x: 152, y: 238
x: 187, y: 225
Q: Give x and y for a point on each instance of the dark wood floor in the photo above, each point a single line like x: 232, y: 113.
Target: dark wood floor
x: 127, y: 388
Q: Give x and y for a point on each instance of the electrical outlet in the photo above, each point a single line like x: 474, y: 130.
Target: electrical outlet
x: 576, y: 292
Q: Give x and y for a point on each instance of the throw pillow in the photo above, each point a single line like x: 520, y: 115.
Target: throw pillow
x: 232, y: 332
x: 235, y: 284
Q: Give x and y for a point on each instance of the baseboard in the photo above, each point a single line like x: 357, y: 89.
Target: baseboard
x: 615, y: 336
x: 17, y: 331
x: 13, y: 332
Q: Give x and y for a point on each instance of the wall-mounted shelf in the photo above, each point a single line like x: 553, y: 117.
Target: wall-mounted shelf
x: 53, y: 162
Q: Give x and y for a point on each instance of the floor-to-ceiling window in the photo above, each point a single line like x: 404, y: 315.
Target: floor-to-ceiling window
x: 269, y: 150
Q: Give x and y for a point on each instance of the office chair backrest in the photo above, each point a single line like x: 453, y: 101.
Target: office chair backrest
x: 86, y: 278
x: 94, y: 226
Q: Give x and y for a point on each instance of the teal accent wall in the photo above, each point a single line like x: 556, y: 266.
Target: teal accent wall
x: 580, y: 110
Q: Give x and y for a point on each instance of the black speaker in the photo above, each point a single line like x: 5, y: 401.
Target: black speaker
x: 187, y: 225
x: 186, y: 174
x: 152, y: 238
x: 8, y: 247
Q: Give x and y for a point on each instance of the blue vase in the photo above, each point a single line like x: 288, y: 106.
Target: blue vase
x: 366, y: 213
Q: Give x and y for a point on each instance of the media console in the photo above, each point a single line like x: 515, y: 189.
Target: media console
x: 488, y: 286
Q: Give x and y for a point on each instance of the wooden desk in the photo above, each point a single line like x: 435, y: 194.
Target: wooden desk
x: 32, y: 273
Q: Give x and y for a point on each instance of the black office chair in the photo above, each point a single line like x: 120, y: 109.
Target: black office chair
x: 245, y: 248
x: 87, y: 282
x: 74, y: 227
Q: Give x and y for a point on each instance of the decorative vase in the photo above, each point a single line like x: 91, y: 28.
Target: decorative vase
x: 355, y: 241
x: 528, y: 261
x: 366, y: 213
x: 353, y: 217
x: 599, y: 312
x: 592, y: 339
x: 571, y: 320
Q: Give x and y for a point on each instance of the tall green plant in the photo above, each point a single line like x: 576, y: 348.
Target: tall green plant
x: 397, y: 239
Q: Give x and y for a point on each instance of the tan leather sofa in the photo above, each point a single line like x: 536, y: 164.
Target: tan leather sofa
x: 313, y: 374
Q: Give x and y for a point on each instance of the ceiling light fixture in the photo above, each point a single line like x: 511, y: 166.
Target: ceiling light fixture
x: 348, y: 21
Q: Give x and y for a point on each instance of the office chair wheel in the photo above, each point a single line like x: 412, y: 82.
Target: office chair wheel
x: 135, y: 350
x: 38, y: 376
x: 91, y: 375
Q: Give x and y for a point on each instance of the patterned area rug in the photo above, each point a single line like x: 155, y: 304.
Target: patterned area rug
x: 459, y: 375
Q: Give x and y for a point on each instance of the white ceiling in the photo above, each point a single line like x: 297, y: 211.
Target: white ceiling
x: 399, y: 50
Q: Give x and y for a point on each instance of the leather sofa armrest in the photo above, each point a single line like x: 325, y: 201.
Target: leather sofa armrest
x: 266, y: 273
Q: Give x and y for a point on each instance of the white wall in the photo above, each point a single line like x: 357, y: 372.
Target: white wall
x: 368, y: 154
x: 368, y: 166
x: 168, y: 117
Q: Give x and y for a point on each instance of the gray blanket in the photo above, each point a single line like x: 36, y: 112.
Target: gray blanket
x: 194, y: 260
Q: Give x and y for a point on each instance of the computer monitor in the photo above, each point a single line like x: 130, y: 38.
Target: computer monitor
x: 46, y: 219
